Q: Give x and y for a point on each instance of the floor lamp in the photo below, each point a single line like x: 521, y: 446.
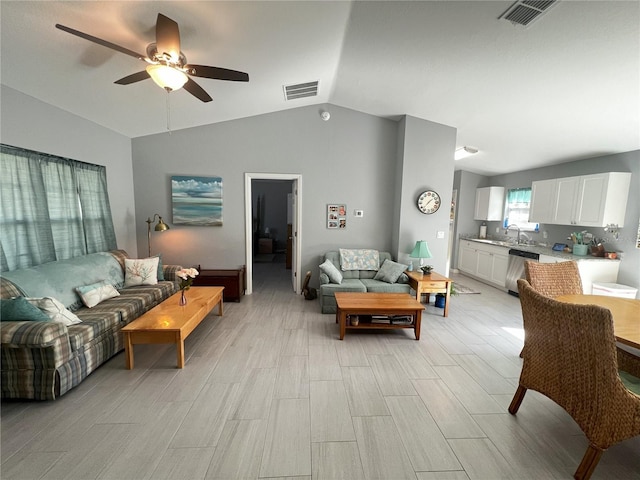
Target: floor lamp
x: 160, y: 227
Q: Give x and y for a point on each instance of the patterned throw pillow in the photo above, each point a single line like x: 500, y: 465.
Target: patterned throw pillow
x: 18, y: 309
x: 390, y: 271
x: 95, y: 293
x: 55, y: 310
x: 140, y: 271
x: 331, y: 271
x: 359, y: 259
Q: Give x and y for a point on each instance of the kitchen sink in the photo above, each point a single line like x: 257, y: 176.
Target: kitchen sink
x: 495, y: 242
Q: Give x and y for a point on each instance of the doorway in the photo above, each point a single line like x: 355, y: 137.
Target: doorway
x: 251, y: 225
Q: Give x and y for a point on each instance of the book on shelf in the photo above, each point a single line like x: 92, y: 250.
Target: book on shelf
x: 392, y: 319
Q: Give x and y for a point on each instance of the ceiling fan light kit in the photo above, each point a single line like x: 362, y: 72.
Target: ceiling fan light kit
x: 168, y: 65
x: 171, y: 79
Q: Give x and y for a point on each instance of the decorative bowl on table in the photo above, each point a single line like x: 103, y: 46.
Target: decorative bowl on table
x: 427, y: 269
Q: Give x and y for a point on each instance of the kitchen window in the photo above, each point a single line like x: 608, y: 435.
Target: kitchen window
x: 517, y: 210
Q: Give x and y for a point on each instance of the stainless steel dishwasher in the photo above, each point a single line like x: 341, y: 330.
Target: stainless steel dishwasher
x: 515, y: 268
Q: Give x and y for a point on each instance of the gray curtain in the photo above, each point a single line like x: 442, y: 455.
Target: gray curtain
x: 51, y: 208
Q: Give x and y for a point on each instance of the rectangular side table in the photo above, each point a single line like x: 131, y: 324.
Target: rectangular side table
x: 233, y: 280
x: 433, y: 282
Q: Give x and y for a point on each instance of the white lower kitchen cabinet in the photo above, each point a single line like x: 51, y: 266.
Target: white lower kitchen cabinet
x: 487, y: 263
x: 591, y: 270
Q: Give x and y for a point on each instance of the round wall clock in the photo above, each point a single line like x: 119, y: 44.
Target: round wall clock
x: 428, y: 202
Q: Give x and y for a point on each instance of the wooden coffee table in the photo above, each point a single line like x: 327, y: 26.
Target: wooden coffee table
x: 358, y: 303
x: 170, y: 322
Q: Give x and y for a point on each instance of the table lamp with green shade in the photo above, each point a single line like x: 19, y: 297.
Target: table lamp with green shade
x: 421, y: 251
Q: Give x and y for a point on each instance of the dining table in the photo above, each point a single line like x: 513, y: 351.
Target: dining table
x: 625, y: 312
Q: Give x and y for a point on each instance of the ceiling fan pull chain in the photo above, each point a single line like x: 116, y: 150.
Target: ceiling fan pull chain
x: 168, y: 113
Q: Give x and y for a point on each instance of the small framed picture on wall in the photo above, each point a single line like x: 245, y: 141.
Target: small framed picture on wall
x: 336, y: 215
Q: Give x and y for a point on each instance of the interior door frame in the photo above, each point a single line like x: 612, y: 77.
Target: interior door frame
x: 248, y: 222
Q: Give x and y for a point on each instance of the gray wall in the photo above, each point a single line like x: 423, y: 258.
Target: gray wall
x: 466, y: 184
x: 35, y: 125
x: 426, y: 163
x: 623, y: 162
x: 350, y: 159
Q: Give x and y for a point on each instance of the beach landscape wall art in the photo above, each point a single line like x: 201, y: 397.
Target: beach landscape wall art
x: 196, y: 200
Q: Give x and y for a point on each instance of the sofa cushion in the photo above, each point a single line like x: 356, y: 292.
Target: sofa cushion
x: 331, y: 271
x: 96, y: 293
x: 390, y: 271
x: 359, y: 259
x: 141, y: 271
x: 132, y: 301
x: 20, y: 309
x: 378, y: 286
x: 54, y: 310
x: 347, y: 285
x: 94, y: 324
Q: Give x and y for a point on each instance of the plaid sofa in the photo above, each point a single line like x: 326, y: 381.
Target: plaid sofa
x: 43, y: 360
x: 355, y: 281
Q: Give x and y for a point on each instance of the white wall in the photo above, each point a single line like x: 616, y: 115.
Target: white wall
x: 35, y: 125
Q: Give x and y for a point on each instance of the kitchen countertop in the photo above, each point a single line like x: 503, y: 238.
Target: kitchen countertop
x: 538, y: 249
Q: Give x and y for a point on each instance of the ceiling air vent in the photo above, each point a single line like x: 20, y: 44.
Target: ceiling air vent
x: 301, y: 90
x: 524, y: 12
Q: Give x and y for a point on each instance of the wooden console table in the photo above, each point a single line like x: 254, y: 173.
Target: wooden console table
x: 233, y: 280
x: 433, y: 282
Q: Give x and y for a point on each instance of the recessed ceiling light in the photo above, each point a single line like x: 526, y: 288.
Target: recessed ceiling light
x: 463, y: 152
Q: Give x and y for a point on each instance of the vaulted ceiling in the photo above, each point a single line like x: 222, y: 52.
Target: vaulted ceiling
x: 565, y: 87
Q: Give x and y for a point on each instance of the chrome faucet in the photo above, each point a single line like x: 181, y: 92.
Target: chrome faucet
x: 506, y: 231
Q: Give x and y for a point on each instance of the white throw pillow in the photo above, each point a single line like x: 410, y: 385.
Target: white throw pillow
x: 95, y: 293
x: 143, y: 271
x: 55, y: 310
x: 331, y: 271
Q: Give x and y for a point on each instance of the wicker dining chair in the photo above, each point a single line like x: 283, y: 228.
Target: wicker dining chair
x: 571, y: 358
x: 563, y: 278
x: 553, y: 279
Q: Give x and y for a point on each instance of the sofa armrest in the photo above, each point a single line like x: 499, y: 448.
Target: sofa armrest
x: 34, y: 345
x: 169, y: 272
x: 324, y: 278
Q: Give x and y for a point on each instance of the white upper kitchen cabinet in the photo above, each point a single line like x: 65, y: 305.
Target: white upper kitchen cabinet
x: 489, y: 203
x: 602, y: 199
x: 543, y: 193
x: 588, y: 200
x: 564, y: 206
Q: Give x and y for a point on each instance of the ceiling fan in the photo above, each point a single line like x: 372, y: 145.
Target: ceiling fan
x: 168, y: 66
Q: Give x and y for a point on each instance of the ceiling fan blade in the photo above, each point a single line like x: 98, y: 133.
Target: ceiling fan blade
x: 167, y: 37
x: 133, y: 78
x: 99, y: 41
x: 197, y: 91
x: 217, y: 73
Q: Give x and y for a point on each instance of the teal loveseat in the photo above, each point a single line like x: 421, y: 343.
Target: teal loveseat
x: 41, y: 360
x: 356, y: 281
